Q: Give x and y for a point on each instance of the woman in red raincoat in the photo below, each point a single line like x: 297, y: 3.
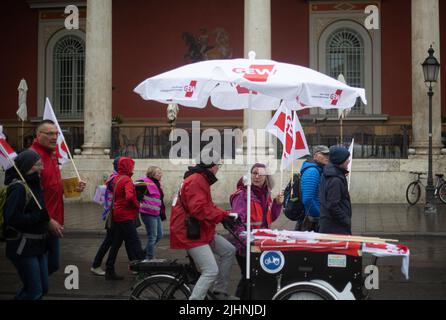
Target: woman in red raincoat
x: 194, y: 199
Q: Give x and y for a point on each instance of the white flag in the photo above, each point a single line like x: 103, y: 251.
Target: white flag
x: 62, y: 151
x: 351, y: 162
x: 5, y: 152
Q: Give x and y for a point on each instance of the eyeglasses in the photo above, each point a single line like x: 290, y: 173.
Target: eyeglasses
x: 257, y: 174
x: 51, y: 133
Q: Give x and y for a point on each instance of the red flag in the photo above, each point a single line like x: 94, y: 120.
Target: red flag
x: 6, y: 152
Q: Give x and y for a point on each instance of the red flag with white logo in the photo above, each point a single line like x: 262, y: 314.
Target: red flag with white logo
x: 296, y: 144
x: 281, y: 120
x: 289, y: 131
x: 7, y: 154
x: 61, y: 151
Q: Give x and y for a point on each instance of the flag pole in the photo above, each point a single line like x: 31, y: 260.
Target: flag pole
x: 342, y: 131
x: 20, y: 175
x: 72, y: 160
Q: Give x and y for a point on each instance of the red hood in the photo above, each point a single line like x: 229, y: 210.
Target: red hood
x: 125, y: 166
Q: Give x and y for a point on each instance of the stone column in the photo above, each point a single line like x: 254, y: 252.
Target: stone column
x: 258, y: 39
x: 425, y: 31
x: 98, y: 78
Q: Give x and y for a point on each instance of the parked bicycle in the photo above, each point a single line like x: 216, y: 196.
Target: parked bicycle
x: 413, y: 191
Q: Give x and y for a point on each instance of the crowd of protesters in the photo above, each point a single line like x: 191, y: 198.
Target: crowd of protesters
x: 34, y: 214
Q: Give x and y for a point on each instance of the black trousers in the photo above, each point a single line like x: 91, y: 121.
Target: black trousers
x: 242, y: 291
x: 103, y: 249
x: 124, y: 232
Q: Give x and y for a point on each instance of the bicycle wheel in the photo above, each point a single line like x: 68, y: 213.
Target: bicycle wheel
x: 413, y: 193
x: 304, y: 292
x: 442, y: 192
x: 160, y: 287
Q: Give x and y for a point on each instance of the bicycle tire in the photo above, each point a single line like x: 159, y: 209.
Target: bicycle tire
x: 304, y: 292
x: 413, y: 193
x: 156, y: 287
x: 442, y: 192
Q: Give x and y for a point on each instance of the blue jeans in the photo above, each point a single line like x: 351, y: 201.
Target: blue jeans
x: 33, y: 271
x: 53, y: 254
x: 154, y: 233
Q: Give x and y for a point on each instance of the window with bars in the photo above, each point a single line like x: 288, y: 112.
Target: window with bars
x: 69, y: 77
x: 345, y: 54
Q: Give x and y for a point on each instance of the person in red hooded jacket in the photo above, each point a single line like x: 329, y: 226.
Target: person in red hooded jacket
x: 125, y: 212
x: 194, y: 199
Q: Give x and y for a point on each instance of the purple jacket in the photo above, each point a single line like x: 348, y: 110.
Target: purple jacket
x: 238, y: 205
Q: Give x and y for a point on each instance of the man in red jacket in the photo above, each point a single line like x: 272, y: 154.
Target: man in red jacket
x: 194, y: 199
x: 45, y: 145
x: 125, y: 212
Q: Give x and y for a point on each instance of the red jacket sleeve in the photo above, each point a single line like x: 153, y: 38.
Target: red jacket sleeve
x: 199, y: 202
x: 130, y: 193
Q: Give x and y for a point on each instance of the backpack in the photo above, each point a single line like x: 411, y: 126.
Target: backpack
x: 293, y: 206
x: 3, y: 198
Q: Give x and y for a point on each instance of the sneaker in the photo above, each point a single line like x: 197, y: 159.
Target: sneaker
x: 97, y: 271
x: 224, y: 296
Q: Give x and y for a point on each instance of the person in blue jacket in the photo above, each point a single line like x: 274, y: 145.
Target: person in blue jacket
x: 310, y: 177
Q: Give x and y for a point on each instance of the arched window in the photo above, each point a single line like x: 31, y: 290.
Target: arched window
x: 69, y: 77
x: 340, y: 45
x: 345, y: 55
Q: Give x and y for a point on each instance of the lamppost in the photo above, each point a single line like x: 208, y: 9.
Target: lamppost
x: 431, y: 68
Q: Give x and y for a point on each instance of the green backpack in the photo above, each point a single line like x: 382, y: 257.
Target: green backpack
x: 3, y: 197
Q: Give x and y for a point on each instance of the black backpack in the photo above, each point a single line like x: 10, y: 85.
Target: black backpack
x: 293, y: 207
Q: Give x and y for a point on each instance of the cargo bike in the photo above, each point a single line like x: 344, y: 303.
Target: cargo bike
x: 285, y: 265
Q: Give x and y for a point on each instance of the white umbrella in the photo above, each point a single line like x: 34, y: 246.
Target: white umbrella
x: 227, y: 84
x: 22, y: 112
x: 235, y: 84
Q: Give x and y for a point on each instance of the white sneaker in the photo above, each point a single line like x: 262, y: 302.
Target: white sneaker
x: 97, y: 271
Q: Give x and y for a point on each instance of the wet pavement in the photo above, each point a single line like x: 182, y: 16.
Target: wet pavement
x: 427, y: 272
x: 376, y: 219
x: 425, y: 235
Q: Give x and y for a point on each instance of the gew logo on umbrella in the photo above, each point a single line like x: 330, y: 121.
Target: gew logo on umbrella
x: 335, y: 97
x: 256, y: 73
x: 190, y: 89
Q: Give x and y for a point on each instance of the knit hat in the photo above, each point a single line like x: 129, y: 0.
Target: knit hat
x: 338, y: 155
x: 26, y: 160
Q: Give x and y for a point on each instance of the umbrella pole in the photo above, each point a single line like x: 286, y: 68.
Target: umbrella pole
x: 22, y: 134
x: 248, y: 201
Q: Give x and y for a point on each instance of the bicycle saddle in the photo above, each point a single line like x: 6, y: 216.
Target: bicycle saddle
x: 155, y: 265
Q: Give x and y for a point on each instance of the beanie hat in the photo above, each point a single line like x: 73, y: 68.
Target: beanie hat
x: 26, y: 160
x: 338, y: 155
